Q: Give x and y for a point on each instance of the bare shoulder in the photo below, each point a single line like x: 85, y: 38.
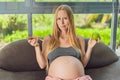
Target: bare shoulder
x: 46, y: 39
x: 81, y: 39
x: 82, y: 44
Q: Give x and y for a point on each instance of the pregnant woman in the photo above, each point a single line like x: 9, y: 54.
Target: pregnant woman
x: 63, y: 54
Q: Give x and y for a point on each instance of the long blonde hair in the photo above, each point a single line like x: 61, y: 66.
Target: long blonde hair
x: 53, y: 43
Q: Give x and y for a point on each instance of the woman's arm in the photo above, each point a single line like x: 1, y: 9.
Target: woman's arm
x: 39, y: 54
x: 86, y: 55
x: 40, y: 58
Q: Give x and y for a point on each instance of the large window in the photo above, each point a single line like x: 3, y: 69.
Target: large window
x: 14, y: 26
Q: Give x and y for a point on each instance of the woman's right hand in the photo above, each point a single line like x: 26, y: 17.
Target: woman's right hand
x: 33, y: 41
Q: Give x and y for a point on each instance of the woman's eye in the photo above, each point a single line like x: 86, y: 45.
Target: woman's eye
x: 65, y: 18
x: 58, y: 18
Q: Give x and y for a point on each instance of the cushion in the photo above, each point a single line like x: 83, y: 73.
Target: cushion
x: 110, y: 72
x: 101, y: 55
x: 19, y: 56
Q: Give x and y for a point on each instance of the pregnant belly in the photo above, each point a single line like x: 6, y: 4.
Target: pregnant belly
x: 66, y: 67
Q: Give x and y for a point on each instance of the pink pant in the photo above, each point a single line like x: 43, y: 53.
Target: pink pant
x: 86, y: 77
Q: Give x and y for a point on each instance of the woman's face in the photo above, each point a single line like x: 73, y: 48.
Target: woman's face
x: 62, y: 20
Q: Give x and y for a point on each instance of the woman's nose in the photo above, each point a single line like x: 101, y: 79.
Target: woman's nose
x: 62, y: 21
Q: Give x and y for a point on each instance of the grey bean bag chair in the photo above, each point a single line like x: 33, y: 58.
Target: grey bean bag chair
x: 18, y: 62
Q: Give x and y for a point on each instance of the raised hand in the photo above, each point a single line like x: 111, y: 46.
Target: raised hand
x: 91, y: 43
x: 33, y: 41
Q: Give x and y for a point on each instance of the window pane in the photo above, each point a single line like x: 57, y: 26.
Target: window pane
x: 12, y: 27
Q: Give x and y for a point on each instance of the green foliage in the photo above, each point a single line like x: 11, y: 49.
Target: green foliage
x: 3, y: 21
x: 42, y: 20
x: 17, y: 23
x: 42, y: 33
x: 118, y: 36
x: 104, y: 34
x: 16, y: 35
x: 9, y: 23
x: 86, y: 33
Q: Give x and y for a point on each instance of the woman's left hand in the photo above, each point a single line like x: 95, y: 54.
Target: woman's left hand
x: 91, y: 43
